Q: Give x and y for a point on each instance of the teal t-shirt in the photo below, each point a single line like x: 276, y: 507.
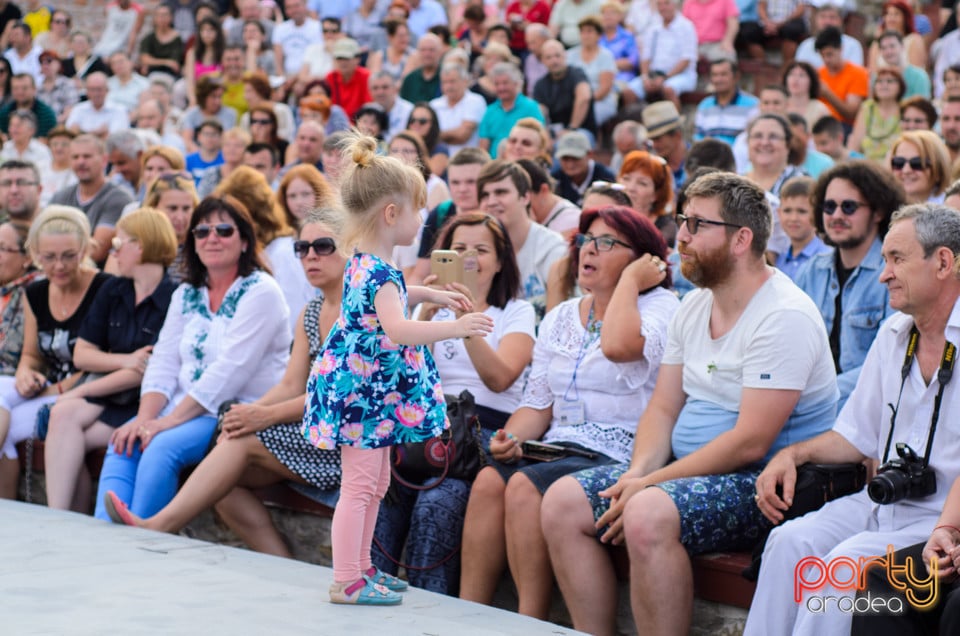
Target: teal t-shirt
x: 496, y: 122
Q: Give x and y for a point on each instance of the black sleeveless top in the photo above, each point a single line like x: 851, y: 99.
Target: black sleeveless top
x: 55, y: 338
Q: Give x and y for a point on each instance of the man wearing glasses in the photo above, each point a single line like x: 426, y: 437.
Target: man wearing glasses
x: 732, y: 390
x: 19, y: 191
x: 852, y: 205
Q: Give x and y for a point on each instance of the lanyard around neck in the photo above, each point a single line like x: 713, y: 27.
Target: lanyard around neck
x: 591, y: 336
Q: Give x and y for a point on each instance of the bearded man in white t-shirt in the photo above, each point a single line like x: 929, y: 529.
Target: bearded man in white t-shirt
x: 729, y: 394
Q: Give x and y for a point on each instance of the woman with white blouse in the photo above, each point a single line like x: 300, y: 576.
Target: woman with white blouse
x: 226, y: 336
x: 579, y: 396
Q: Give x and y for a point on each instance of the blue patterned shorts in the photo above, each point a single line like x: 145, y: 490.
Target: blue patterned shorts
x: 717, y: 512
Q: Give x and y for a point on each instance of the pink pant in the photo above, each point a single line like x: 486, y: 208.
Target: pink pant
x: 365, y: 477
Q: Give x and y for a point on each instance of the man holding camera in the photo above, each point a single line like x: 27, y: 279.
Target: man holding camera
x: 902, y: 399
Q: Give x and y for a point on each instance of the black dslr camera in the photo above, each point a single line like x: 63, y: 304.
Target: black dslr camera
x: 905, y: 478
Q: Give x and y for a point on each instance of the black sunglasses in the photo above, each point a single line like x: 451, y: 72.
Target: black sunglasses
x: 223, y: 230
x: 694, y: 223
x: 265, y: 122
x: 423, y: 121
x: 321, y: 247
x: 916, y: 163
x: 847, y: 206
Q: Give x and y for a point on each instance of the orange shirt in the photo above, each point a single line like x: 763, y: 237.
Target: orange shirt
x: 851, y: 80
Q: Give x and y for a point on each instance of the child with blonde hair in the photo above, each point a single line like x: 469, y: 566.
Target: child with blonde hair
x: 375, y: 384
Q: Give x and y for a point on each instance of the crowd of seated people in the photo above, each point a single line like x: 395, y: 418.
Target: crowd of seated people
x: 171, y: 261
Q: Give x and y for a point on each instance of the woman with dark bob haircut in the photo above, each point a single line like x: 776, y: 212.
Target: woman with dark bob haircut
x: 595, y: 363
x: 226, y: 336
x: 490, y: 368
x: 802, y: 84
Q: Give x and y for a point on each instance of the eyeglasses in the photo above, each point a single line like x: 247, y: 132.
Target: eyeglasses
x: 603, y: 243
x: 331, y: 31
x: 321, y: 247
x: 60, y: 21
x: 847, y: 206
x: 422, y: 121
x: 694, y: 223
x: 261, y: 122
x: 20, y: 183
x: 223, y: 230
x: 67, y: 258
x: 406, y: 152
x: 916, y: 163
x: 116, y: 242
x: 916, y: 121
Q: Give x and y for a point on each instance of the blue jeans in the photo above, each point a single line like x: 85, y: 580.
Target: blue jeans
x: 147, y: 480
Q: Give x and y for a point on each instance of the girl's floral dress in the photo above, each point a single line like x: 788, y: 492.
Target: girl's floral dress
x: 364, y: 390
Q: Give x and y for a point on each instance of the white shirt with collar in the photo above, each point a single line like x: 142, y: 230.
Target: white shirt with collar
x: 89, y: 119
x: 471, y: 107
x: 399, y: 115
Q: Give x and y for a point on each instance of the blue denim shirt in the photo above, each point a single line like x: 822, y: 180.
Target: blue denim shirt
x: 866, y: 303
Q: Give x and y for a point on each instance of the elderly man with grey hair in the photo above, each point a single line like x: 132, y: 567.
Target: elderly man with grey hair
x: 459, y: 110
x: 124, y: 149
x: 807, y: 560
x: 628, y: 135
x: 510, y: 107
x: 385, y: 90
x: 533, y: 68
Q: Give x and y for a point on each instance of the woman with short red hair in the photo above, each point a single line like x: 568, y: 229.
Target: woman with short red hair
x: 647, y: 180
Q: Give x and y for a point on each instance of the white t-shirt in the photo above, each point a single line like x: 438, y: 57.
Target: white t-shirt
x: 456, y: 369
x: 542, y: 247
x: 127, y: 95
x: 613, y: 394
x: 470, y: 108
x: 294, y: 41
x: 779, y: 342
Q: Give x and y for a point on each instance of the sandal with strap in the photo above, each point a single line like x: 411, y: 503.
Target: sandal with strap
x: 388, y: 581
x: 363, y: 592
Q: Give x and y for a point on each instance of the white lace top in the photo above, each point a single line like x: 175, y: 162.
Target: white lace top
x: 614, y: 395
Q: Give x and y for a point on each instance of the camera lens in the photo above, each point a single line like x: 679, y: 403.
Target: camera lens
x: 889, y: 486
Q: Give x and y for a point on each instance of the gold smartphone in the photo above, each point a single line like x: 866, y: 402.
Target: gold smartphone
x: 455, y: 267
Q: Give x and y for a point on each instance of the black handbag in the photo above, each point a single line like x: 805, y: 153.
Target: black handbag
x: 456, y: 453
x: 816, y: 485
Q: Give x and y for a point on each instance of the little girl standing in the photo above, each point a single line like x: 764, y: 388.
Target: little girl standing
x: 375, y: 384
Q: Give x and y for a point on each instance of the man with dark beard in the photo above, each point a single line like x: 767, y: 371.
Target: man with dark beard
x: 746, y: 370
x: 852, y: 205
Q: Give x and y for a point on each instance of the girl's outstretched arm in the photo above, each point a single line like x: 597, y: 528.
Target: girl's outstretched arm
x: 414, y: 332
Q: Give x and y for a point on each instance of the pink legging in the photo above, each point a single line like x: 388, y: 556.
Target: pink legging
x: 365, y: 477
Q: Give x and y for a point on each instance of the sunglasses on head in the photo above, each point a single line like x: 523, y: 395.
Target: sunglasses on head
x: 847, y: 206
x: 223, y: 230
x: 916, y: 163
x: 321, y: 247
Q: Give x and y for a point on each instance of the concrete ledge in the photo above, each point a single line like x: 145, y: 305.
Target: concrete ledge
x: 66, y: 573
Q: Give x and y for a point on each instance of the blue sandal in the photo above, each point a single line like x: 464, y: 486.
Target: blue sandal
x: 363, y: 592
x: 388, y: 581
